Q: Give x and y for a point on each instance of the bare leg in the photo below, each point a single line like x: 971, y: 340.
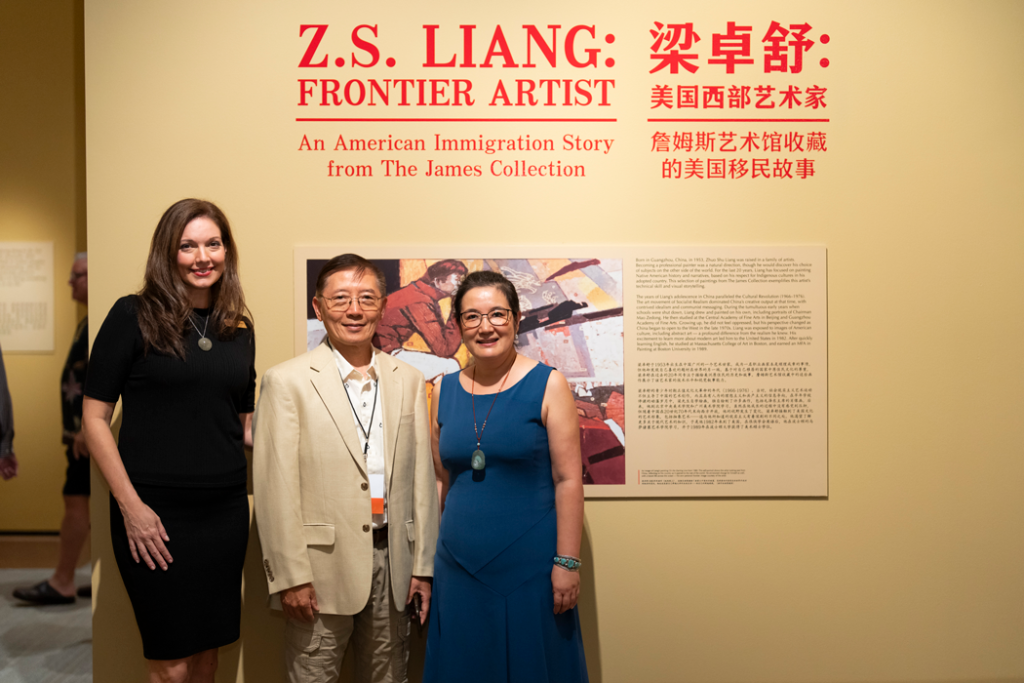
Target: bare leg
x: 204, y: 667
x: 74, y: 529
x: 168, y: 670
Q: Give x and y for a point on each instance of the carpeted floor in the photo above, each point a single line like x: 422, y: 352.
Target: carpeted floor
x: 50, y: 644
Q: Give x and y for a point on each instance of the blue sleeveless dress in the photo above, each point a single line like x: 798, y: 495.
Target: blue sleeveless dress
x: 491, y: 615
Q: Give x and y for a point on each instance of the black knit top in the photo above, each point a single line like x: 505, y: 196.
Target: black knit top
x: 180, y: 424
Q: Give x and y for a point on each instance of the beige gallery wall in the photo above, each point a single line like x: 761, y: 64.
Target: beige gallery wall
x: 911, y: 569
x: 42, y: 199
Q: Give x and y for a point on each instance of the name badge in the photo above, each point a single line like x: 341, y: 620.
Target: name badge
x: 377, y: 493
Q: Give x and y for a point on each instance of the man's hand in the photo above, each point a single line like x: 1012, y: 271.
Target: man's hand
x: 8, y: 467
x: 421, y: 585
x: 78, y: 447
x: 299, y: 603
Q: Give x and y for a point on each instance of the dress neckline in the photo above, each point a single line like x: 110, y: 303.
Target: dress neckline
x: 507, y: 388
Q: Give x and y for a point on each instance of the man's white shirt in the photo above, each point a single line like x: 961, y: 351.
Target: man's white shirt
x: 362, y: 390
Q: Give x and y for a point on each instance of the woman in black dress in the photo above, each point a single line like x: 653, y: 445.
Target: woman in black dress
x: 180, y: 357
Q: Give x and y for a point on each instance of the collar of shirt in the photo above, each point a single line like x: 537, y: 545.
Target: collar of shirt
x: 348, y: 371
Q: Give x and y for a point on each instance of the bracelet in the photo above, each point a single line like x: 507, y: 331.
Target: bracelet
x: 568, y: 562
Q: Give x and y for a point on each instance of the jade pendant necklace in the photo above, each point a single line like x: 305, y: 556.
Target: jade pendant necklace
x: 478, y: 461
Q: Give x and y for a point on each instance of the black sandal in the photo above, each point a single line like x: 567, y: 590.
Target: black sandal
x: 43, y: 594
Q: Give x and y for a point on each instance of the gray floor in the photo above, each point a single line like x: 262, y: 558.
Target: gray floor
x: 50, y: 644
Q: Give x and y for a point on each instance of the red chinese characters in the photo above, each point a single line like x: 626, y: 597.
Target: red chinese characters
x: 765, y: 154
x: 671, y: 41
x: 783, y: 47
x: 737, y: 97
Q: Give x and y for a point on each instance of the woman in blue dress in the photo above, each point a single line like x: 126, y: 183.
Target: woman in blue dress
x: 506, y: 572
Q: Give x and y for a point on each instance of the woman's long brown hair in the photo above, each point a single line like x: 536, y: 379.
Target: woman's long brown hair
x: 164, y: 305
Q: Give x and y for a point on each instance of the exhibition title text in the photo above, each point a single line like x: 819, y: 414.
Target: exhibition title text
x: 575, y: 51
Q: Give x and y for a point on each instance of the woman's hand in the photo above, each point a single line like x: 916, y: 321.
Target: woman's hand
x: 146, y: 535
x: 566, y: 587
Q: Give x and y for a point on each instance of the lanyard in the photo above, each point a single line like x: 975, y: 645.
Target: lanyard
x: 373, y: 411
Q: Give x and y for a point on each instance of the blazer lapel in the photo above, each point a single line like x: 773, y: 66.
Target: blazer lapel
x: 326, y: 380
x: 392, y: 405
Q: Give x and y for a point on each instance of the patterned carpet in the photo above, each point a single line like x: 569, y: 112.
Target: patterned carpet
x: 50, y: 644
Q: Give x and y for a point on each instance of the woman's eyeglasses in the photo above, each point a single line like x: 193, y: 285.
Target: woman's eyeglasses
x: 497, y: 318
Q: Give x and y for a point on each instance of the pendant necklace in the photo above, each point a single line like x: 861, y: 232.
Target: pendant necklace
x: 479, y: 460
x: 204, y: 342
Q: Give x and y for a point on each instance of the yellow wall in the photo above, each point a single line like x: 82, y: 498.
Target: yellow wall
x: 42, y: 198
x: 911, y: 570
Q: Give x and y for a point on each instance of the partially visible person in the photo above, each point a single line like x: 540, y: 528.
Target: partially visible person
x: 74, y: 528
x: 345, y: 493
x: 416, y: 309
x: 506, y: 576
x: 8, y: 461
x: 180, y: 356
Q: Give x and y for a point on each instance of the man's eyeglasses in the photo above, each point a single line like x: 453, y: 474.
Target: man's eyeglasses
x: 340, y: 304
x: 497, y: 318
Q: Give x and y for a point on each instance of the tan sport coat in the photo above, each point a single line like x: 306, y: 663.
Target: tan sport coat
x: 312, y: 495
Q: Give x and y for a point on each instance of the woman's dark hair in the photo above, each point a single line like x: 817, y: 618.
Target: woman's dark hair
x: 486, y: 278
x: 355, y: 263
x: 164, y: 304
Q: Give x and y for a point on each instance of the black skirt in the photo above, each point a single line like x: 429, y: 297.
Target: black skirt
x: 196, y: 604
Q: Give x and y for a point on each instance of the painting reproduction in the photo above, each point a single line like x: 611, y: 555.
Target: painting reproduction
x: 571, y: 320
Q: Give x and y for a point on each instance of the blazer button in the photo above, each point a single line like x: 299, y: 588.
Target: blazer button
x: 364, y: 486
x: 366, y: 527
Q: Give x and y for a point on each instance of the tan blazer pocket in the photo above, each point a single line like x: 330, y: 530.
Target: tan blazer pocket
x: 411, y: 530
x: 318, y: 534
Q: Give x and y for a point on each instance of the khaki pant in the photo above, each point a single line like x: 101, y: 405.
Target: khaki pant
x: 379, y: 633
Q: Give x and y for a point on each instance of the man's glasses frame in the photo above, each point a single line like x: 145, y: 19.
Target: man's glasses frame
x: 340, y: 304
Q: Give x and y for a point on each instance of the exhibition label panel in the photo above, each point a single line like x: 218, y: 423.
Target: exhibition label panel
x: 26, y: 297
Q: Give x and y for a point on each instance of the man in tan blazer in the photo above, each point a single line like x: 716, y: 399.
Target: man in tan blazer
x: 345, y: 494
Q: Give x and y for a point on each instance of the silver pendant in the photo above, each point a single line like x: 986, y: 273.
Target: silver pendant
x: 205, y: 344
x: 478, y: 461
